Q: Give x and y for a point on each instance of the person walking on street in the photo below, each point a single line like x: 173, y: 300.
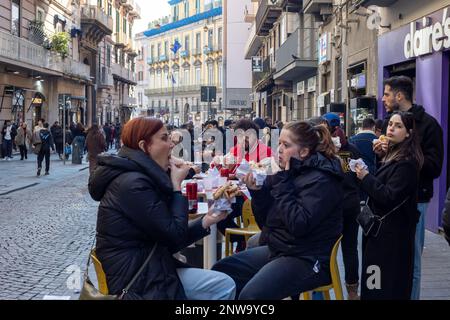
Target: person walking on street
x: 46, y: 144
x: 107, y: 131
x: 117, y: 132
x: 23, y: 138
x: 7, y: 135
x: 57, y: 134
x: 68, y: 143
x: 95, y: 143
x: 398, y: 93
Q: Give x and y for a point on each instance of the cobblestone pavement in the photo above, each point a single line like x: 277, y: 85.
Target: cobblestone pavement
x: 44, y: 230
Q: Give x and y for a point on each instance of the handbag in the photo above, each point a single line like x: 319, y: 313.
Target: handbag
x: 37, y: 147
x: 68, y: 150
x: 370, y: 222
x: 90, y: 292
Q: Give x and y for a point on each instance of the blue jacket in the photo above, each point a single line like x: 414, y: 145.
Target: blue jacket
x: 364, y: 142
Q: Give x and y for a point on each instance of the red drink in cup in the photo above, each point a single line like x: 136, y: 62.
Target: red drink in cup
x: 192, y: 194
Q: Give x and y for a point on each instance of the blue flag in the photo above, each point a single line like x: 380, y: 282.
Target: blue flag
x: 176, y: 46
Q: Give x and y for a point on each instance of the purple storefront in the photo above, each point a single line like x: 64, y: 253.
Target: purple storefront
x: 421, y: 50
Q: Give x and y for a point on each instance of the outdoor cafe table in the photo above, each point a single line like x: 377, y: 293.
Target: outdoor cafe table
x: 209, y: 242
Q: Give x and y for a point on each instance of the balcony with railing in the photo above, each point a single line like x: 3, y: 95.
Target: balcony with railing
x: 106, y: 78
x: 184, y: 53
x: 320, y: 7
x: 94, y: 17
x: 196, y: 51
x: 253, y: 44
x: 121, y: 40
x: 20, y: 51
x: 379, y: 3
x: 77, y: 69
x: 295, y: 58
x: 266, y: 16
x: 124, y: 74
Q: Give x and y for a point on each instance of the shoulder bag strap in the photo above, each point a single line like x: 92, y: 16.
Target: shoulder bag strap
x: 124, y: 291
x: 387, y: 214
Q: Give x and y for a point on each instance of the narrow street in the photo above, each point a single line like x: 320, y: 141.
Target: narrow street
x: 43, y: 230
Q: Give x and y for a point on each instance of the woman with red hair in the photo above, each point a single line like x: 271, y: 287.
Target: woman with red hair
x: 142, y: 208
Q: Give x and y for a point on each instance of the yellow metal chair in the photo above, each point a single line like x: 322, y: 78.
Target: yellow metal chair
x: 335, y: 278
x: 101, y: 276
x: 249, y: 228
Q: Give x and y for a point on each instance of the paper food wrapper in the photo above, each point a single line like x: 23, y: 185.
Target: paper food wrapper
x: 221, y: 205
x: 259, y: 174
x: 352, y: 164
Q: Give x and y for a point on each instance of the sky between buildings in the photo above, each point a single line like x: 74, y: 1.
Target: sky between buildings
x: 150, y: 10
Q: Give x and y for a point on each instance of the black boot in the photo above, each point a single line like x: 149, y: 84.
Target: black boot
x: 39, y: 172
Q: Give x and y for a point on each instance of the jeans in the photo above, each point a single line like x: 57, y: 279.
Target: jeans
x: 418, y: 249
x: 201, y: 284
x: 44, y: 153
x: 23, y: 152
x: 350, y: 245
x: 258, y: 277
x: 7, y: 145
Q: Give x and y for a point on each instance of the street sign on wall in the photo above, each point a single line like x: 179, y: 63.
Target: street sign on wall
x: 257, y: 64
x: 208, y: 94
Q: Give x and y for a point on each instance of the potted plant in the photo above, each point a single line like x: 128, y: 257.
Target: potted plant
x: 60, y: 43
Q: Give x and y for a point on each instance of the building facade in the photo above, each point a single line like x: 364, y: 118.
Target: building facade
x: 283, y: 48
x: 417, y: 44
x: 51, y: 57
x: 36, y: 81
x: 116, y: 60
x: 175, y: 80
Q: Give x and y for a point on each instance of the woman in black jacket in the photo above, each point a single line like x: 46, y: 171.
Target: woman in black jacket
x: 388, y: 258
x: 142, y: 206
x: 300, y: 213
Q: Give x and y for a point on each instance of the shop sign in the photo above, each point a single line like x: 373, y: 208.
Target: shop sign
x: 324, y: 49
x: 312, y: 84
x: 301, y: 88
x: 429, y: 39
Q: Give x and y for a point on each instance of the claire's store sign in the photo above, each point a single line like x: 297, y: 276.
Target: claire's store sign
x: 425, y: 38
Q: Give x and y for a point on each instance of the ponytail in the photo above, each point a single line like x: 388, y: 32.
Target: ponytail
x: 326, y: 145
x: 315, y: 138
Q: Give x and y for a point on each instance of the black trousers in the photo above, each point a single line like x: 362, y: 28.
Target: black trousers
x: 23, y: 152
x: 44, y: 153
x: 350, y: 245
x: 258, y: 277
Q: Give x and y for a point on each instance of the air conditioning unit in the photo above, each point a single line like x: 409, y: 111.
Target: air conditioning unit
x: 273, y: 2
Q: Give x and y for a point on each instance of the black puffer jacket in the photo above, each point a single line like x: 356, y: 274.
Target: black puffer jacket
x: 300, y: 210
x: 432, y: 144
x: 137, y: 209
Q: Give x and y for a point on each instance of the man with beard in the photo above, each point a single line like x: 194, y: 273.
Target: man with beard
x: 398, y: 96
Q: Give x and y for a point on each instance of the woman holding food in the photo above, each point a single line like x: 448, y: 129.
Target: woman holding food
x: 141, y: 211
x: 300, y: 212
x: 388, y: 257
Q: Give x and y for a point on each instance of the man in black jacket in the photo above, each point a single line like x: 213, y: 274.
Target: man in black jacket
x: 47, y: 143
x: 398, y: 93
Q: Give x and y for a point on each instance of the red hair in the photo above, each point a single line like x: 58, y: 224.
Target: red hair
x: 140, y: 128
